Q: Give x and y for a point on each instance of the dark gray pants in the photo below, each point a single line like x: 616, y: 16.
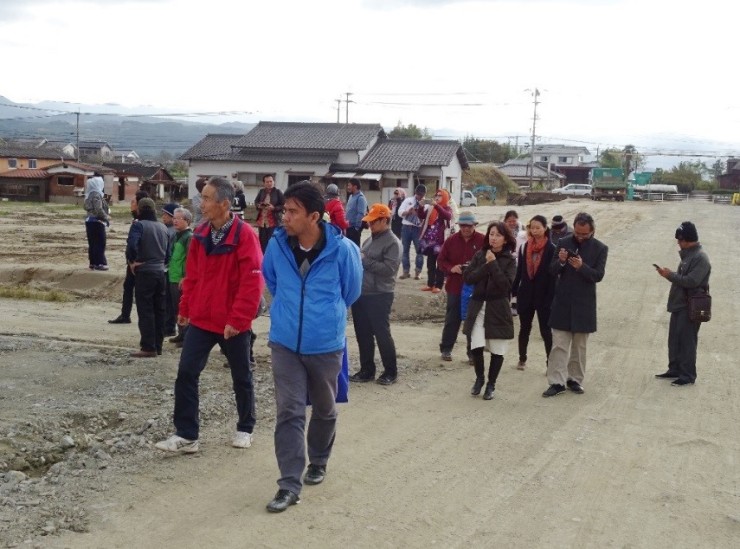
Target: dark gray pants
x: 296, y: 378
x: 683, y: 338
x: 371, y: 319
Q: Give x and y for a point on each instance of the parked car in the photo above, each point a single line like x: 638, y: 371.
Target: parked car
x: 468, y: 199
x: 575, y: 189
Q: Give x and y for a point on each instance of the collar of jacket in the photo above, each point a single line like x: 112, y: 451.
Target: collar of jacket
x: 331, y: 237
x: 227, y: 245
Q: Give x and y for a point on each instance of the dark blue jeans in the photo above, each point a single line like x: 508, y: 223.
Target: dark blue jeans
x: 129, y: 284
x: 196, y: 348
x: 96, y: 243
x: 411, y: 234
x: 150, y: 305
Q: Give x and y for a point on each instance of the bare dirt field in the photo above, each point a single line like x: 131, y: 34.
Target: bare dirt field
x: 632, y: 463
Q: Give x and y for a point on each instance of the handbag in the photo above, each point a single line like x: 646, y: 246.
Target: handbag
x: 700, y: 307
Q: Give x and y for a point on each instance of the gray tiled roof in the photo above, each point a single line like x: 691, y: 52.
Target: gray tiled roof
x: 214, y: 146
x: 553, y: 148
x: 522, y: 170
x: 286, y: 156
x: 314, y: 136
x: 409, y: 155
x: 31, y: 152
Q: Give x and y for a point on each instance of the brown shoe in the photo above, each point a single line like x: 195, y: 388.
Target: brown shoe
x: 404, y: 276
x: 143, y: 354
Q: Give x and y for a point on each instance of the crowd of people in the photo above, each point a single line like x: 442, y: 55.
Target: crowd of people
x: 203, y: 287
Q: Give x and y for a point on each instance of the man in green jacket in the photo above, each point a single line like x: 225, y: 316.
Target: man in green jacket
x: 181, y: 220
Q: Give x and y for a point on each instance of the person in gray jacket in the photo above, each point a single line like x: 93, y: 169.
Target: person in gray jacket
x: 381, y: 256
x: 578, y: 266
x: 692, y: 275
x: 148, y: 253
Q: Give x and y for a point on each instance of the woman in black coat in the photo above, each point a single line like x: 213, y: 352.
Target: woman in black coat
x: 534, y: 286
x: 488, y: 322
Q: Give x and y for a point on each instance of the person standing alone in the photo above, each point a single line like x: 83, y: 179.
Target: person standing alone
x: 692, y: 276
x: 356, y: 210
x: 269, y: 202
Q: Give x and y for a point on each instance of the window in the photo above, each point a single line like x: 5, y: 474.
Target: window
x: 565, y: 159
x: 544, y: 158
x: 32, y: 163
x: 12, y: 163
x: 65, y: 180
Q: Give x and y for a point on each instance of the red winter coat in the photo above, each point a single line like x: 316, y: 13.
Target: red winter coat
x: 455, y: 251
x: 223, y: 283
x: 335, y: 210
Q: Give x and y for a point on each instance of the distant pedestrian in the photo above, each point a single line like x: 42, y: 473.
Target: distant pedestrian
x: 356, y: 210
x: 239, y: 202
x: 559, y: 229
x: 269, y: 202
x: 334, y: 208
x: 96, y: 221
x: 176, y: 269
x: 399, y: 195
x: 170, y: 319
x: 691, y: 277
x: 196, y: 200
x: 436, y: 220
x: 579, y: 265
x: 411, y: 232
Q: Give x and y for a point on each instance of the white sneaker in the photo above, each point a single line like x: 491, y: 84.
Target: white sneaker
x: 242, y: 440
x: 177, y: 445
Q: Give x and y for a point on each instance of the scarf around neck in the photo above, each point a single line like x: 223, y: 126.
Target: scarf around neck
x: 534, y: 255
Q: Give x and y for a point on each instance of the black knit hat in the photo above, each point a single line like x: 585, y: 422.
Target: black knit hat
x: 687, y: 232
x: 558, y: 222
x: 420, y: 189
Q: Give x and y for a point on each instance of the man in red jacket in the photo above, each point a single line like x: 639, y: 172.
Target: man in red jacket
x: 456, y: 253
x: 220, y: 298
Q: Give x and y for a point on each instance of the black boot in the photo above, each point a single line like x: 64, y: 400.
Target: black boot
x: 493, y: 370
x: 477, y: 356
x: 490, y: 387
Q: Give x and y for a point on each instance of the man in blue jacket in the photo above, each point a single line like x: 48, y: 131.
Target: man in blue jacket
x: 314, y: 274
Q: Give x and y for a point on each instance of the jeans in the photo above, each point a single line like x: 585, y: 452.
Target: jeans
x: 525, y: 328
x: 196, y: 347
x: 295, y: 377
x: 452, y: 325
x: 171, y: 306
x: 683, y: 338
x: 355, y: 235
x: 265, y: 234
x: 150, y: 298
x: 95, y: 243
x: 411, y: 234
x: 371, y: 318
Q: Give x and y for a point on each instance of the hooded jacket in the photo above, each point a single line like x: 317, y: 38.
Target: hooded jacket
x: 224, y: 283
x: 308, y: 315
x: 692, y: 274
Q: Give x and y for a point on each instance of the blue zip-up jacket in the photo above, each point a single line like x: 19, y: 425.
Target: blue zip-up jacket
x: 309, y: 315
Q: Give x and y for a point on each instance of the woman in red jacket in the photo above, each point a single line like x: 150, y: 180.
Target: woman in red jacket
x: 334, y: 208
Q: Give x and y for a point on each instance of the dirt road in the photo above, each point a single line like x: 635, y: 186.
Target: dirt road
x: 633, y: 462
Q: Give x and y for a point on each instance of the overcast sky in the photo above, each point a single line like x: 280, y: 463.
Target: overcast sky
x: 653, y: 73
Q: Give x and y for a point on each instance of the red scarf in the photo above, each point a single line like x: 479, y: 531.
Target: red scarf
x: 534, y: 255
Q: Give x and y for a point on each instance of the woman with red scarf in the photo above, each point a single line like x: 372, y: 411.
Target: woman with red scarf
x: 436, y: 219
x: 534, y: 286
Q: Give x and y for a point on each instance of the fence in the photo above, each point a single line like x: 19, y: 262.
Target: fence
x: 677, y: 197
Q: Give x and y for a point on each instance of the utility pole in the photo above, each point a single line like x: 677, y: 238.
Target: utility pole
x: 536, y: 94
x: 78, y: 135
x: 347, y: 102
x: 339, y: 103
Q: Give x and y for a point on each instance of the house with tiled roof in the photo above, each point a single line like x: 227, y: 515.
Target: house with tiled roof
x: 62, y: 181
x: 155, y: 180
x: 525, y: 174
x: 325, y: 153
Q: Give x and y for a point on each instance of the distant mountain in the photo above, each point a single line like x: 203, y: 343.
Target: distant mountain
x: 146, y: 135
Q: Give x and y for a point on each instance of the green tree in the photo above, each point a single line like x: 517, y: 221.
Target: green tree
x: 687, y: 176
x: 718, y: 168
x: 488, y: 150
x: 611, y: 158
x: 409, y: 132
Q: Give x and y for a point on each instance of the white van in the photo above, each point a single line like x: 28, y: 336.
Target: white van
x: 468, y: 199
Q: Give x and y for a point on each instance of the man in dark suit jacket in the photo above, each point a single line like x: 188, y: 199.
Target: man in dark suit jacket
x: 578, y: 265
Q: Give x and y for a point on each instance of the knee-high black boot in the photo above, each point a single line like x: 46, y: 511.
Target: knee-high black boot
x: 493, y: 370
x: 477, y: 356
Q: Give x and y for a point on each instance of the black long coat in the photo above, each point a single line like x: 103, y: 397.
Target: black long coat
x: 539, y: 291
x: 574, y: 305
x: 492, y: 289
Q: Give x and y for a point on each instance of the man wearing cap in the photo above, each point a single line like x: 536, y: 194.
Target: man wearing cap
x: 170, y: 319
x: 381, y: 256
x: 270, y: 202
x: 692, y: 275
x: 356, y: 210
x: 558, y: 229
x: 578, y: 266
x: 456, y: 253
x: 411, y: 231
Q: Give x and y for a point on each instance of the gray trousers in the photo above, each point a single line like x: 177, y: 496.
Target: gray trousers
x: 567, y: 358
x: 296, y: 378
x: 683, y: 338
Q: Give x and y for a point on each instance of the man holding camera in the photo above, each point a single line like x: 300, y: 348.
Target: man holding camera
x: 578, y: 266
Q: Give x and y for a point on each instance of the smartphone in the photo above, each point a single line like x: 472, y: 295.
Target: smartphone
x: 656, y: 266
x: 572, y: 253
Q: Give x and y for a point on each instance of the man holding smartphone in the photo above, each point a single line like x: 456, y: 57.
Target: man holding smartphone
x: 579, y: 265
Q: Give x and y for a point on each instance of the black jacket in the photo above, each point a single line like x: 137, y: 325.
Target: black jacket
x: 493, y: 290
x: 539, y: 291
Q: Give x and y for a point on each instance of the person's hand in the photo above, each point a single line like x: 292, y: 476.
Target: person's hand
x: 576, y: 262
x: 563, y: 255
x: 664, y: 272
x: 490, y: 256
x: 270, y: 207
x: 230, y: 331
x: 457, y: 269
x: 182, y: 321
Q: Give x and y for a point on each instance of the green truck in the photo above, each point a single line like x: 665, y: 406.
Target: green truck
x: 608, y: 184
